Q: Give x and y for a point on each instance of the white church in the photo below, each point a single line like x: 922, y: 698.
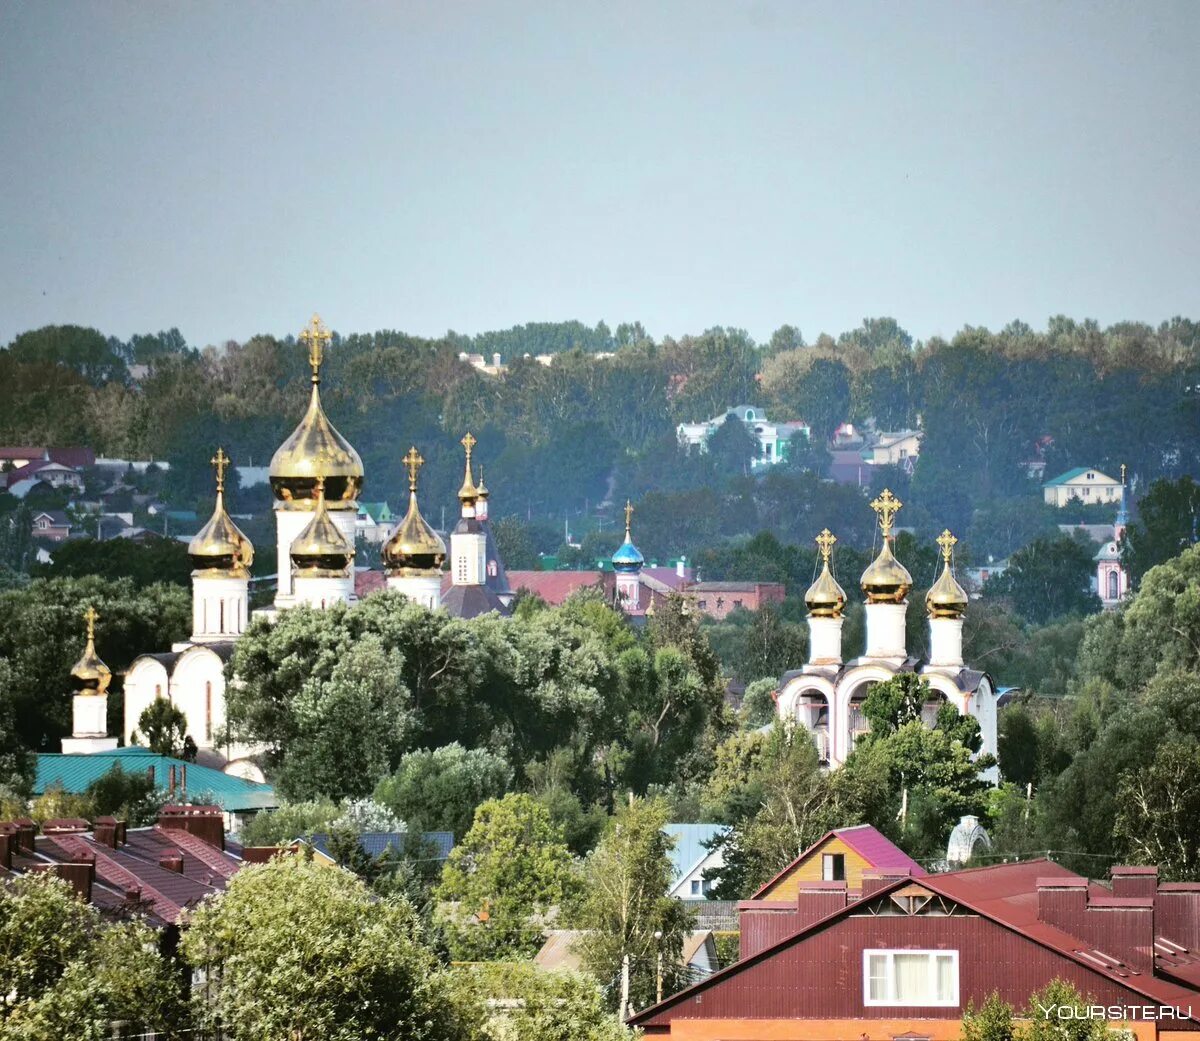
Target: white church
x: 316, y: 477
x: 826, y: 695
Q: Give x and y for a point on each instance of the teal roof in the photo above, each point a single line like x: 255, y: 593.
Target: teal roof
x: 689, y: 848
x: 75, y: 771
x: 377, y: 511
x: 1070, y: 475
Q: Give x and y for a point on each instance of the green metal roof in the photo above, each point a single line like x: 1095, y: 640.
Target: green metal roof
x: 1070, y: 475
x: 75, y: 771
x: 377, y: 511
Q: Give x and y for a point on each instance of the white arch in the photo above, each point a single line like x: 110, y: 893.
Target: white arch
x: 194, y: 671
x: 847, y: 685
x: 145, y: 679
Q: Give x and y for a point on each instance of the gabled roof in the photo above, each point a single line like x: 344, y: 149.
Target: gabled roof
x: 689, y: 849
x: 554, y: 586
x: 471, y: 601
x: 872, y: 845
x: 1005, y: 894
x: 75, y: 771
x: 1079, y: 471
x: 377, y: 511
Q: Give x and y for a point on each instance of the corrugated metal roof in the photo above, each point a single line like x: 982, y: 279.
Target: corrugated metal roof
x: 878, y: 850
x: 554, y: 586
x: 689, y: 847
x: 75, y: 771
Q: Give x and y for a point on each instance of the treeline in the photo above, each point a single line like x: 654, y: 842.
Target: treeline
x: 560, y: 438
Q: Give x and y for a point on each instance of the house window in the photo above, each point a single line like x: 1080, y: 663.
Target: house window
x: 910, y: 978
x: 737, y: 603
x: 833, y: 867
x: 1114, y: 592
x: 695, y: 887
x: 703, y: 605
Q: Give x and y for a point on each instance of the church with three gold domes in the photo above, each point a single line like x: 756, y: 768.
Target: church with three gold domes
x: 316, y: 477
x: 826, y: 695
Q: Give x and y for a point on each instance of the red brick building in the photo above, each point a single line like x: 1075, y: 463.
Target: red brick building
x: 719, y: 599
x: 905, y: 959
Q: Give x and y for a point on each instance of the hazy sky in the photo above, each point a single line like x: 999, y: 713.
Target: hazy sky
x: 230, y: 167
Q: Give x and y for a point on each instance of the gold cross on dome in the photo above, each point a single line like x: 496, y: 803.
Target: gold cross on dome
x: 628, y: 514
x: 825, y: 543
x: 413, y: 463
x: 315, y: 337
x: 220, y: 461
x: 468, y: 442
x: 886, y: 506
x: 91, y: 618
x: 947, y: 542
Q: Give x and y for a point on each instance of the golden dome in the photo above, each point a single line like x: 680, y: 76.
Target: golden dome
x: 825, y: 598
x: 92, y: 676
x: 415, y: 545
x: 946, y: 598
x: 468, y: 493
x: 220, y: 546
x: 886, y: 581
x: 321, y: 549
x: 315, y: 448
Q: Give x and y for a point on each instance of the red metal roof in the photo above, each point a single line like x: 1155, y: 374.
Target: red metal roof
x: 554, y: 586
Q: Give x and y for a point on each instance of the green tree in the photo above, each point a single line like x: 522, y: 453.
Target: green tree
x: 631, y: 924
x: 528, y: 1004
x: 1048, y: 579
x: 1166, y: 524
x: 1159, y: 816
x: 17, y: 762
x: 295, y: 950
x: 157, y: 560
x: 132, y: 797
x: 162, y: 726
x: 502, y: 881
x: 65, y: 976
x: 758, y: 704
x: 439, y: 789
x: 733, y: 446
x: 288, y: 821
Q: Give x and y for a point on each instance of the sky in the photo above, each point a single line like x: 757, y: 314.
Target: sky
x: 230, y: 168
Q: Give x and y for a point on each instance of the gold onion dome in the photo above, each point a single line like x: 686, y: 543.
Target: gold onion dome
x: 315, y: 448
x: 321, y: 548
x: 825, y: 598
x: 414, y: 545
x: 91, y: 675
x: 468, y: 493
x: 946, y: 598
x: 220, y: 545
x: 886, y: 581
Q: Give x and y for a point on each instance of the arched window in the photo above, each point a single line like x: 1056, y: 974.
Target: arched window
x: 1114, y: 585
x: 208, y: 711
x: 158, y: 690
x: 221, y: 615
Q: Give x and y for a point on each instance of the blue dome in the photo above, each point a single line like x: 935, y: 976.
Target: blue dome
x: 627, y: 557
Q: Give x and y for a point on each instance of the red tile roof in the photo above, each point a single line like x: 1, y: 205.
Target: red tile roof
x: 554, y: 586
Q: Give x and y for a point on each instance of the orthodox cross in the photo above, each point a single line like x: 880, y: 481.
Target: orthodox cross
x: 886, y: 506
x: 90, y: 617
x: 315, y: 337
x: 628, y: 515
x: 947, y: 542
x: 413, y: 463
x: 825, y: 543
x: 468, y: 442
x: 220, y: 461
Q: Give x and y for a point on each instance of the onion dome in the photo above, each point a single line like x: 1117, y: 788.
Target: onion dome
x: 825, y: 598
x: 628, y: 557
x: 321, y: 549
x: 90, y: 674
x: 468, y: 493
x: 414, y: 546
x: 481, y: 488
x: 315, y: 449
x: 220, y: 547
x: 946, y: 598
x: 886, y: 581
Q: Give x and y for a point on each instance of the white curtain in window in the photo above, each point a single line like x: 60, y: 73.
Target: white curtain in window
x: 947, y: 984
x: 913, y: 978
x: 877, y: 972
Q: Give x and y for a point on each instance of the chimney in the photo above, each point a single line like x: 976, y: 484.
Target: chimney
x: 496, y: 360
x: 874, y: 881
x: 171, y: 860
x: 26, y: 830
x: 1134, y: 881
x: 205, y: 822
x: 80, y: 874
x: 1121, y: 928
x: 681, y: 567
x: 104, y: 831
x: 814, y: 900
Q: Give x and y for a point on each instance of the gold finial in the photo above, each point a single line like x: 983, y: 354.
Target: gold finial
x: 413, y: 463
x: 628, y: 515
x: 481, y: 488
x: 886, y: 507
x: 468, y: 442
x: 947, y: 542
x: 468, y: 493
x: 220, y: 461
x: 825, y: 543
x: 1122, y: 475
x: 316, y: 337
x: 91, y: 618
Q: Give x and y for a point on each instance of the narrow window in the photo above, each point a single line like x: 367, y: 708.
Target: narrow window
x: 221, y: 617
x: 695, y: 887
x: 833, y: 867
x: 1113, y: 586
x: 208, y: 711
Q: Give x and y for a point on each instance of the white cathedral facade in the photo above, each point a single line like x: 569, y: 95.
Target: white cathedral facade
x: 316, y: 477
